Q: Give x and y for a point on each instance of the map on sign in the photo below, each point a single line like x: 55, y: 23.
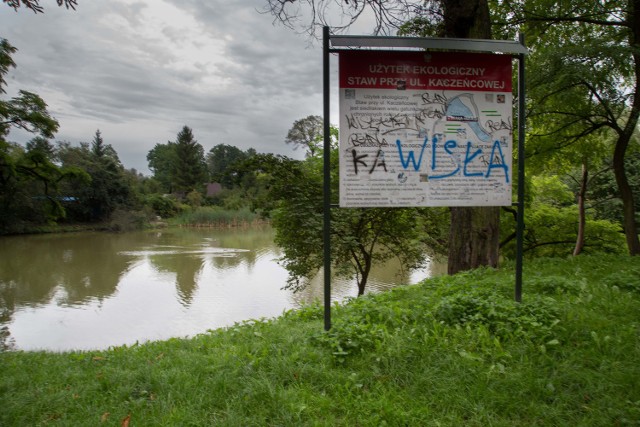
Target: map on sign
x: 425, y: 129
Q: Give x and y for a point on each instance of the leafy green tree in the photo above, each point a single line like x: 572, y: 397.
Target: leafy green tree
x: 222, y: 162
x: 474, y: 233
x: 26, y: 111
x: 584, y: 76
x: 28, y: 179
x: 97, y: 145
x: 42, y: 145
x: 162, y: 158
x: 603, y: 191
x: 110, y: 186
x: 360, y: 238
x: 31, y: 187
x: 189, y: 170
x: 552, y: 226
x: 307, y: 133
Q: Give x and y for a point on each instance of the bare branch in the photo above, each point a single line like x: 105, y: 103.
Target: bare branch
x: 310, y: 16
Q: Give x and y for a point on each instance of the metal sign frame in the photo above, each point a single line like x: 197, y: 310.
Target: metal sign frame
x: 335, y: 44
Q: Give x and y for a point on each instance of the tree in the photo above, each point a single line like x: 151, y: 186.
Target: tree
x: 222, y: 160
x: 26, y: 111
x: 307, y: 133
x: 590, y: 51
x: 190, y: 170
x: 474, y: 233
x: 32, y: 185
x: 26, y: 176
x: 109, y: 188
x: 552, y: 227
x: 97, y: 145
x: 162, y: 158
x: 34, y: 5
x: 602, y: 191
x: 359, y: 237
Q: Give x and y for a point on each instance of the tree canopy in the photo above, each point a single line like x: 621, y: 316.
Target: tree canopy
x: 584, y: 83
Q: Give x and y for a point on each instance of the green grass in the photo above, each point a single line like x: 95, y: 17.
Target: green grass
x: 452, y: 351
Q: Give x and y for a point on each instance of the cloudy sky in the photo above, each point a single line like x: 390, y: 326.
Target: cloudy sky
x: 139, y: 70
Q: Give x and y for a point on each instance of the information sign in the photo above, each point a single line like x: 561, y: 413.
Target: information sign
x: 425, y: 129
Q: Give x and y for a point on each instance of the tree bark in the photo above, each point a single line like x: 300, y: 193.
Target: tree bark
x: 626, y: 194
x: 474, y: 233
x: 473, y: 238
x: 624, y: 137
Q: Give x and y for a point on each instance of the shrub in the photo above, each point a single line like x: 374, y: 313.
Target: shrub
x: 163, y: 206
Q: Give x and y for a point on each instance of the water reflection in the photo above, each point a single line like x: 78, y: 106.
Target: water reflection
x: 95, y: 290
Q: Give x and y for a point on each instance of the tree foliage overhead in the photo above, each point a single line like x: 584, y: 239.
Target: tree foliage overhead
x: 27, y: 111
x: 28, y: 179
x: 34, y: 5
x: 584, y: 82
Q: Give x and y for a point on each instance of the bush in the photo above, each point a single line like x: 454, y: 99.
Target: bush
x: 122, y: 220
x: 163, y: 206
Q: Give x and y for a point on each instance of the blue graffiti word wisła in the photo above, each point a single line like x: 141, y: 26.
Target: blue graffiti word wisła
x: 497, y: 160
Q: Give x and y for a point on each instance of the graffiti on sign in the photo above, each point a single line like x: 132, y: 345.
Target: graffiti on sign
x: 425, y: 129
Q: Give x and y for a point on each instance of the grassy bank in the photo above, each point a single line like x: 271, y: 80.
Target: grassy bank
x: 216, y: 217
x: 452, y: 351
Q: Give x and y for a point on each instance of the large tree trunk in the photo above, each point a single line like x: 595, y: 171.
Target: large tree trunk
x: 474, y: 233
x: 474, y: 241
x: 628, y: 208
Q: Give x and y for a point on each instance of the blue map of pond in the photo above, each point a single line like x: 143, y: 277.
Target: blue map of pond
x: 458, y: 109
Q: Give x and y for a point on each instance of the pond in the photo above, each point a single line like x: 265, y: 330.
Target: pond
x: 83, y: 291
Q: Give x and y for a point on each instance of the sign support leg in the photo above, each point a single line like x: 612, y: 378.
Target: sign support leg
x: 326, y: 205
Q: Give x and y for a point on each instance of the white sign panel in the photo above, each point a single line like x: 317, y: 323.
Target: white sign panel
x: 425, y: 129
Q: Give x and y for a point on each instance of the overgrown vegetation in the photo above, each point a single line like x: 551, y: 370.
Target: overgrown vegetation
x: 455, y: 350
x: 214, y: 216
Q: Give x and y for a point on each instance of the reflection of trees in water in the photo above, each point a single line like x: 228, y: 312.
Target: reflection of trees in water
x: 383, y: 277
x: 187, y: 269
x: 84, y: 266
x: 6, y: 342
x: 199, y: 248
x: 71, y: 268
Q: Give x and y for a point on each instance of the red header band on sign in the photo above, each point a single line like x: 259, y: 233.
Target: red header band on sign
x: 425, y: 71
